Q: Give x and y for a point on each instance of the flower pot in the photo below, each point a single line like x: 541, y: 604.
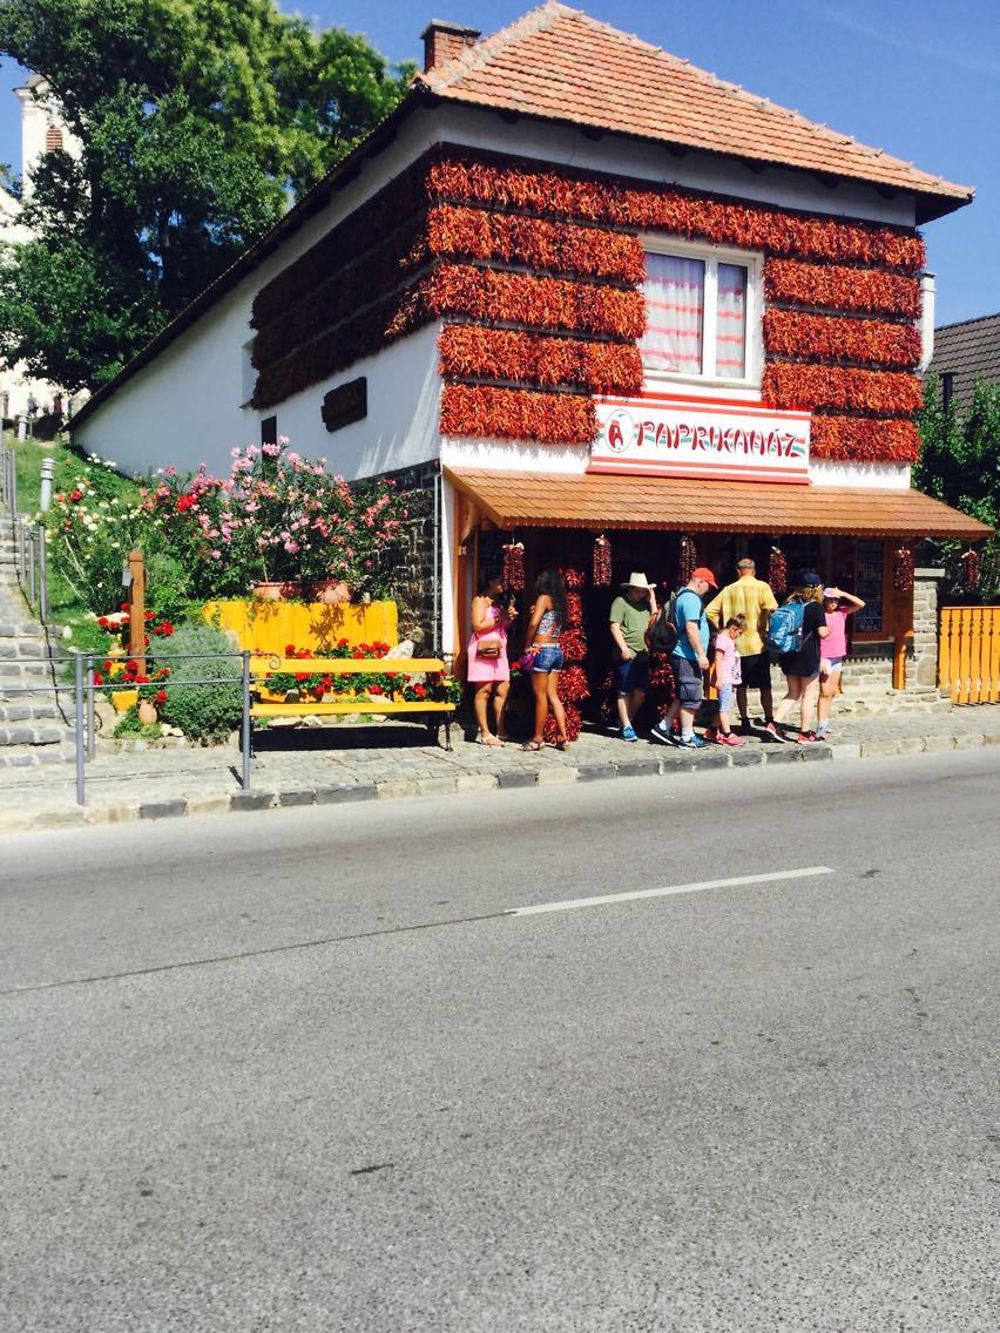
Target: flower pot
x: 147, y: 713
x: 330, y: 591
x: 276, y: 592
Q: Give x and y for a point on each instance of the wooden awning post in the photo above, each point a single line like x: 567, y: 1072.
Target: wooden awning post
x: 137, y: 610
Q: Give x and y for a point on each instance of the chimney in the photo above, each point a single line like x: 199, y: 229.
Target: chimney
x: 444, y: 41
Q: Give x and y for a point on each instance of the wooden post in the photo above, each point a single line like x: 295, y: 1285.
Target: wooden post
x: 137, y: 610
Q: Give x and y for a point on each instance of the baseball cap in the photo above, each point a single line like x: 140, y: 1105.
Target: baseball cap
x: 703, y: 572
x: 810, y: 579
x: 833, y: 594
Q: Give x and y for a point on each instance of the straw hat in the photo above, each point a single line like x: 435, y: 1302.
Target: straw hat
x: 636, y: 580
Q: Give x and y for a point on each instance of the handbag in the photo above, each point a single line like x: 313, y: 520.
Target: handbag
x: 489, y: 649
x: 526, y: 662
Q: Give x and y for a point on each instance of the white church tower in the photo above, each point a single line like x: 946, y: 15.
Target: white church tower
x: 22, y: 399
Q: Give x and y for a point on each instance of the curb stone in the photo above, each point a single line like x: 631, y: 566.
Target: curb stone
x: 664, y: 765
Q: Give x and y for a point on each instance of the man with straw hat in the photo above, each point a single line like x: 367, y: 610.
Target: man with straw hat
x: 630, y: 613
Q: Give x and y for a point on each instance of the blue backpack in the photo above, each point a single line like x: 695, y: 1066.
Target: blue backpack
x: 784, y: 631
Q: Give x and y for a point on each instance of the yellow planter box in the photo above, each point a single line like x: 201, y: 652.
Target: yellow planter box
x: 269, y: 627
x: 124, y: 699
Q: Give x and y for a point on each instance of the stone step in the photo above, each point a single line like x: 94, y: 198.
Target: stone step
x: 14, y: 672
x: 35, y: 708
x: 27, y: 756
x: 28, y: 734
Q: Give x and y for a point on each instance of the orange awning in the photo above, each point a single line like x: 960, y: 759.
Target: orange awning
x: 598, y: 500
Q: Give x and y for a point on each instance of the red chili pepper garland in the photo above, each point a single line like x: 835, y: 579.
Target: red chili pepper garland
x: 777, y: 571
x: 513, y: 566
x: 602, y: 562
x: 864, y: 439
x: 794, y: 333
x: 971, y: 568
x: 688, y: 558
x: 797, y: 387
x: 902, y: 569
x: 573, y: 686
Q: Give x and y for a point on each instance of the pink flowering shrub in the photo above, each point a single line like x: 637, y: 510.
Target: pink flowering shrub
x: 277, y: 517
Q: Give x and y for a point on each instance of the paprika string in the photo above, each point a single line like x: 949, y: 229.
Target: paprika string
x: 902, y: 569
x: 777, y: 572
x: 602, y: 562
x: 971, y: 568
x: 513, y: 566
x: 688, y: 558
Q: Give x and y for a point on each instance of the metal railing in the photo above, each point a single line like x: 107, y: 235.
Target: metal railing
x: 84, y: 688
x: 8, y: 479
x: 30, y: 554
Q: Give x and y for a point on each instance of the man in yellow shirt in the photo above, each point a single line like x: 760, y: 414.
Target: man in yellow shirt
x: 753, y: 599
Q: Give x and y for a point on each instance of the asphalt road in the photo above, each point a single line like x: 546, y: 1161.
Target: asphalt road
x: 306, y: 1071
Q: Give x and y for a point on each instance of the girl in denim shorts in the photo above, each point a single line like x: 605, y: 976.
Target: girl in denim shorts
x: 542, y: 650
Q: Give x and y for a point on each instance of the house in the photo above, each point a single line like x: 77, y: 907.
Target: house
x: 22, y: 397
x: 964, y: 353
x: 574, y: 285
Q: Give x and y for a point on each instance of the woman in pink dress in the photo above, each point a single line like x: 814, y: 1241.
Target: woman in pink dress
x: 489, y: 669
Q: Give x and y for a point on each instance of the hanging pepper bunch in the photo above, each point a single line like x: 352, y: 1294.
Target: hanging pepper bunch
x: 970, y: 570
x: 513, y: 566
x: 602, y: 562
x: 517, y: 414
x: 777, y: 571
x: 688, y: 558
x: 796, y: 386
x: 902, y: 569
x: 573, y: 685
x: 471, y: 351
x: 838, y: 287
x: 558, y: 192
x: 864, y: 439
x: 795, y: 333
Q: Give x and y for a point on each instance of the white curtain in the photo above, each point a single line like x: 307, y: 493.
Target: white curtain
x: 731, y: 322
x: 675, y: 314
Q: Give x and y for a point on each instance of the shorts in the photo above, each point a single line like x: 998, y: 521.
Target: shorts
x: 548, y: 659
x: 633, y: 675
x: 690, y: 682
x: 756, y: 671
x: 831, y: 666
x: 727, y: 693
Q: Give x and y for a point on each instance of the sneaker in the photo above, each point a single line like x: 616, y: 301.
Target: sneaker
x: 771, y: 729
x: 628, y: 734
x: 823, y: 732
x: 712, y: 734
x: 730, y: 738
x: 661, y: 732
x: 807, y: 738
x: 690, y: 743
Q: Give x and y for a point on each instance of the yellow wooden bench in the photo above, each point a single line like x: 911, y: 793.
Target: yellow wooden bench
x: 262, y: 668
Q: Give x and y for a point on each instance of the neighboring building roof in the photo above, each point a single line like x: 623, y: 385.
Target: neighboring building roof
x: 560, y: 64
x: 970, y: 351
x: 600, y: 500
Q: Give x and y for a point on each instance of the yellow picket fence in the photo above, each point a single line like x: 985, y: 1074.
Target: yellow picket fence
x: 969, y: 654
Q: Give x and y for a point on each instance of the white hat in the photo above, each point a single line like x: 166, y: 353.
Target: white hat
x: 635, y: 580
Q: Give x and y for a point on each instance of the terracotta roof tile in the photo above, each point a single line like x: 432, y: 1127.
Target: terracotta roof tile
x: 558, y: 62
x: 599, y: 500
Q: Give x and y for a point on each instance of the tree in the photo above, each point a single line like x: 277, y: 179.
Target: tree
x: 200, y: 121
x: 960, y: 464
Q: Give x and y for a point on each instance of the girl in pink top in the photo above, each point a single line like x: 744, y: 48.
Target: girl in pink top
x: 838, y: 605
x: 489, y: 668
x: 727, y: 676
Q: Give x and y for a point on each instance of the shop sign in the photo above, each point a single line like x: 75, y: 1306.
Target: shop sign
x: 690, y: 437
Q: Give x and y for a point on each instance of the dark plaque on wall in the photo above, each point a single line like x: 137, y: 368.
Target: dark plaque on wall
x: 345, y: 404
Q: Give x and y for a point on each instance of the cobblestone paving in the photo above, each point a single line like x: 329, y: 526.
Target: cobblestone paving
x: 393, y: 760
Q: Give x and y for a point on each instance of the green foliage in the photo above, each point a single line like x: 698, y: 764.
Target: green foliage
x: 198, y: 122
x: 960, y: 464
x: 206, y: 713
x: 129, y: 726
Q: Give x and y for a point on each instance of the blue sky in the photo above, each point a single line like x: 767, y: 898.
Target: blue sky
x: 918, y: 78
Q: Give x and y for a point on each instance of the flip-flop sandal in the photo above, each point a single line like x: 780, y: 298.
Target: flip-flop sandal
x: 532, y: 747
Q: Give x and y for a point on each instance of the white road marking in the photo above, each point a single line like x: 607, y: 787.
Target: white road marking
x: 570, y: 903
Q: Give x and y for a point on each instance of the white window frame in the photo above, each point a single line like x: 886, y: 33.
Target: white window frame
x: 712, y: 256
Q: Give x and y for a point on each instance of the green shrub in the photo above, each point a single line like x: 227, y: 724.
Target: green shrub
x: 206, y: 713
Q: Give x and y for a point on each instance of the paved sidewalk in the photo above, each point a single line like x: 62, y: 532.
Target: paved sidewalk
x: 393, y: 760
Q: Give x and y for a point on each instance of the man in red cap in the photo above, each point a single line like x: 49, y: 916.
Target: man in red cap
x: 689, y: 661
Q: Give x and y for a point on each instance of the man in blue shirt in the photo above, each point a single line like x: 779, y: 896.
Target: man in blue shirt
x: 689, y: 661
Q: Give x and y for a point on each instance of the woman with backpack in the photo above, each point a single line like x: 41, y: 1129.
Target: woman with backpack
x: 796, y: 631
